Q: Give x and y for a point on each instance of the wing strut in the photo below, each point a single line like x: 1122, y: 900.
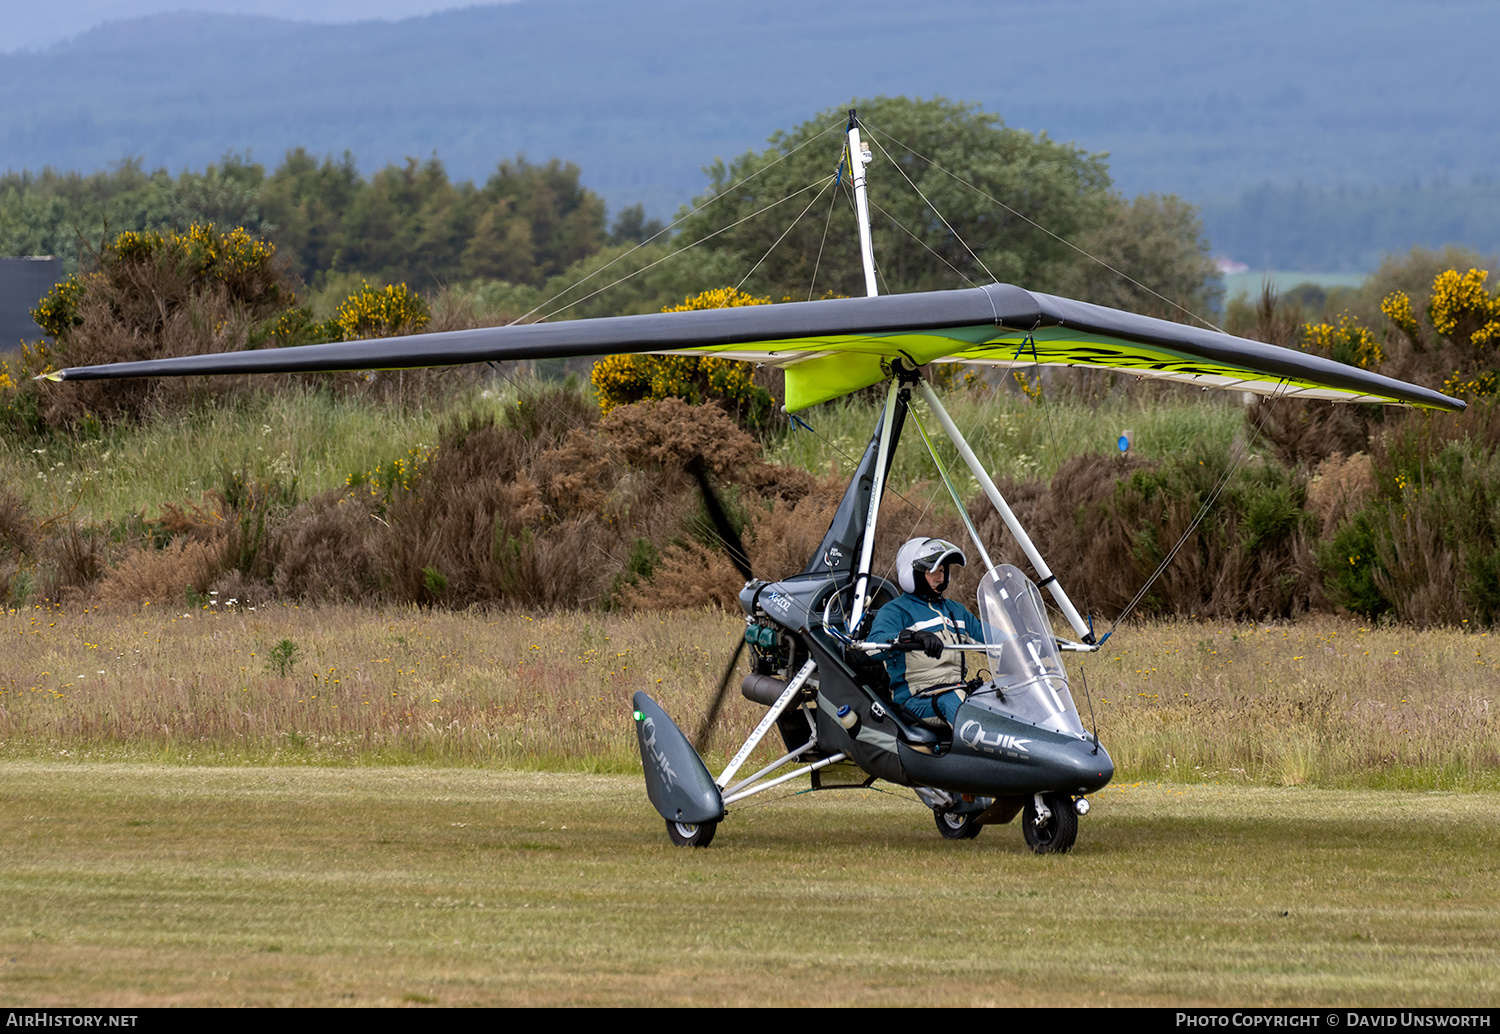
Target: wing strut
x: 1044, y: 576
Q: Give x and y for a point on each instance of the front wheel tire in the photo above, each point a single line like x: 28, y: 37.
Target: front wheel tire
x: 1056, y: 835
x: 692, y: 834
x: 957, y: 827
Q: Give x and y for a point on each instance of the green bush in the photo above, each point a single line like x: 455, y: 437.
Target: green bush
x: 1349, y: 564
x: 1114, y: 519
x: 1425, y: 548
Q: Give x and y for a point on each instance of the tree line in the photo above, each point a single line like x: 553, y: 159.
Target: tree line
x: 535, y: 226
x: 407, y: 222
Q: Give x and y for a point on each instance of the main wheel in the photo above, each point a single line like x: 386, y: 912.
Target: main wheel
x: 692, y: 834
x: 1056, y: 835
x: 957, y: 827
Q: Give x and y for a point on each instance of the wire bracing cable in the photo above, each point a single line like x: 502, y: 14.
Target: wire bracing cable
x: 667, y: 229
x: 1057, y: 237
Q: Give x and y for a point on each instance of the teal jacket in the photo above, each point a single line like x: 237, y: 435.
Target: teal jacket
x: 913, y: 673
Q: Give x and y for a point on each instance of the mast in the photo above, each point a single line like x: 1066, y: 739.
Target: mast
x: 859, y: 157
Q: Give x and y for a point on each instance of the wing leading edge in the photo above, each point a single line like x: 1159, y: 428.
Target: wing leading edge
x: 830, y: 348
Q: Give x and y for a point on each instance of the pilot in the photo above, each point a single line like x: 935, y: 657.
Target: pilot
x: 931, y: 681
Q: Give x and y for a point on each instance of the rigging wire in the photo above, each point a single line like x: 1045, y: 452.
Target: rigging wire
x: 669, y: 227
x: 837, y: 180
x: 615, y: 460
x: 935, y: 253
x: 1203, y: 510
x: 817, y: 264
x: 1062, y: 240
x: 790, y: 227
x: 929, y: 204
x: 854, y: 213
x: 1052, y: 432
x: 675, y: 254
x: 1046, y: 401
x: 963, y: 511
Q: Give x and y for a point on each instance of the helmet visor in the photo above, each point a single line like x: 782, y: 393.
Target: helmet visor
x: 936, y: 553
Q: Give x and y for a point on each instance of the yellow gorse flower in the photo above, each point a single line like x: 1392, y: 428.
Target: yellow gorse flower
x: 381, y: 312
x: 208, y: 252
x: 1456, y: 296
x: 1397, y: 308
x: 1468, y: 316
x: 400, y: 473
x: 719, y: 298
x: 622, y: 379
x: 1480, y: 385
x: 1346, y: 343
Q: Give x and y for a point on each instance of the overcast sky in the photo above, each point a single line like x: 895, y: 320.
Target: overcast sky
x: 36, y: 26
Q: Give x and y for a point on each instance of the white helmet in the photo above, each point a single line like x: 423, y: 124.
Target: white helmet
x: 925, y: 555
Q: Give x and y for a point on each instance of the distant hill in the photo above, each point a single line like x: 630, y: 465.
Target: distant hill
x: 1348, y: 230
x: 1206, y: 100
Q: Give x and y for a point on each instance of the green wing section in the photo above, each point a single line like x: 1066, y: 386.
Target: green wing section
x: 820, y: 369
x: 824, y: 368
x: 1060, y: 346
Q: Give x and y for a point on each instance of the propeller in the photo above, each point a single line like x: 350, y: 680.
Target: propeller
x: 719, y: 517
x: 727, y: 534
x: 711, y: 719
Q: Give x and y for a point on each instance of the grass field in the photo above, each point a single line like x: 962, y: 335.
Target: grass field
x: 419, y: 807
x: 140, y: 885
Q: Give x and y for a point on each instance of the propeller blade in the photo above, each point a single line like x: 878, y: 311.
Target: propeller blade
x: 720, y: 518
x: 700, y: 742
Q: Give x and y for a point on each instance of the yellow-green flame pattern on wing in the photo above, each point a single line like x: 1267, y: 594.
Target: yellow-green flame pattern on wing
x: 824, y: 368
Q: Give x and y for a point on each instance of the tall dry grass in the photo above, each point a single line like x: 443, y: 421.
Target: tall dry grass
x: 1325, y: 703
x: 360, y: 686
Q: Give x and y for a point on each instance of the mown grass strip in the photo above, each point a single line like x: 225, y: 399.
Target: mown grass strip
x: 140, y: 885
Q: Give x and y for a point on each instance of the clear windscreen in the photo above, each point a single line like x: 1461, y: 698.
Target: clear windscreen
x: 1028, y: 679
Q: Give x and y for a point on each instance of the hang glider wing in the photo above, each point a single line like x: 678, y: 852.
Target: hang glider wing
x: 830, y: 348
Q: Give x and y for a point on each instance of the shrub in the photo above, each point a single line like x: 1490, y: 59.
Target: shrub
x: 151, y: 296
x: 518, y: 509
x: 1303, y: 433
x: 1347, y: 343
x: 163, y: 575
x: 1462, y: 331
x: 1117, y: 518
x: 372, y: 312
x: 1425, y: 547
x: 624, y: 379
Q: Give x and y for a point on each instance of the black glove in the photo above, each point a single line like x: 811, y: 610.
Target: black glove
x: 931, y: 645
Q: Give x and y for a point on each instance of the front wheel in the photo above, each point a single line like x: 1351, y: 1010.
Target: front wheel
x: 954, y: 826
x: 1057, y: 833
x: 692, y: 834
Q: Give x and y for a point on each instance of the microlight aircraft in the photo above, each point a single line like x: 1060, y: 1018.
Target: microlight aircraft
x: 1017, y: 744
